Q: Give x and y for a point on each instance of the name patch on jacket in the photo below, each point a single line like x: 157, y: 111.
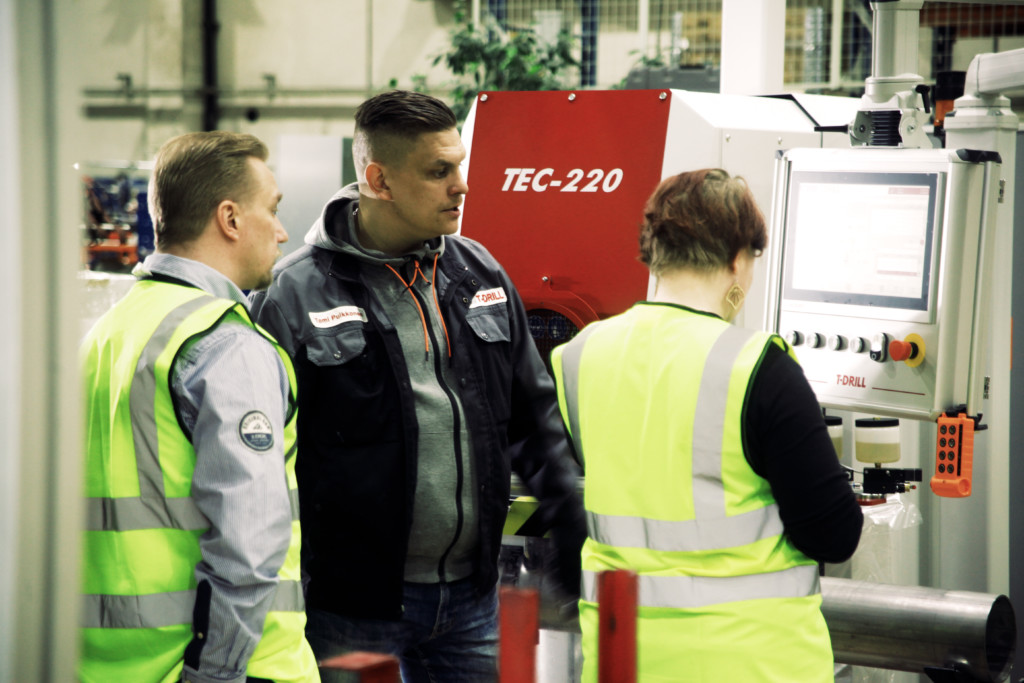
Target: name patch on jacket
x: 489, y: 297
x: 337, y: 316
x: 256, y: 431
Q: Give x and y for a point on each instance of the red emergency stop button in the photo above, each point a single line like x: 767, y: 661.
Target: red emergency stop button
x: 902, y: 350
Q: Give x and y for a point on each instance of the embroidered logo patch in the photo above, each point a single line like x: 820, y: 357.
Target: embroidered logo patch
x: 256, y: 431
x: 489, y: 297
x: 337, y: 316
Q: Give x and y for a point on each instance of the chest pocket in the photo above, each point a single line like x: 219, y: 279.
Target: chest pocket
x: 331, y: 350
x: 490, y: 323
x: 347, y: 397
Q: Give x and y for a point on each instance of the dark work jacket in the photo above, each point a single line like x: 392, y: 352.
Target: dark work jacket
x: 357, y: 427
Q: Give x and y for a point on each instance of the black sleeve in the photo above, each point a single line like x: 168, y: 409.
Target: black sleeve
x: 540, y: 452
x: 267, y: 314
x: 787, y: 443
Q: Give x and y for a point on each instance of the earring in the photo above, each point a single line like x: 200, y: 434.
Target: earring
x: 734, y: 297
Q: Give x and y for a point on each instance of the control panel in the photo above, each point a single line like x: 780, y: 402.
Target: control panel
x: 875, y: 257
x: 954, y: 456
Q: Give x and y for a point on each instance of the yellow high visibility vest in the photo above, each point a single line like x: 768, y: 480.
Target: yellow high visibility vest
x: 141, y: 543
x: 653, y: 399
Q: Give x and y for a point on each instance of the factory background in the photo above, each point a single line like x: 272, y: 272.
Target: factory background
x: 93, y: 87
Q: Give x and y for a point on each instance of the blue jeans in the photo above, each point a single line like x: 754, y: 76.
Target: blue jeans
x: 447, y: 634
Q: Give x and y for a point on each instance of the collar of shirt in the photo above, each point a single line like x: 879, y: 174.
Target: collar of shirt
x: 194, y: 273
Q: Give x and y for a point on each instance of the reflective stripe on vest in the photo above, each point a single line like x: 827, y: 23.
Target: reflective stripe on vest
x: 687, y: 535
x: 709, y: 422
x: 571, y: 354
x: 690, y: 592
x: 166, y: 609
x: 133, y: 514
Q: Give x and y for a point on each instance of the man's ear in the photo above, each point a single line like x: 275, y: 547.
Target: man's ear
x: 227, y: 217
x: 377, y: 182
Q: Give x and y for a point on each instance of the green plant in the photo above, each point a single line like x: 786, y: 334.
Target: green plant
x: 489, y: 58
x: 419, y: 83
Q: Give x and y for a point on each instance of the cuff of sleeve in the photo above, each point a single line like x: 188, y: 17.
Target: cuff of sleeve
x: 189, y: 675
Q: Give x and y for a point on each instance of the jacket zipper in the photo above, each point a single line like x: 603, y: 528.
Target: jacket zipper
x: 457, y: 440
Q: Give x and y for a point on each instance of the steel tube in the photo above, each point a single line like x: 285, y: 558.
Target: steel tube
x: 909, y: 628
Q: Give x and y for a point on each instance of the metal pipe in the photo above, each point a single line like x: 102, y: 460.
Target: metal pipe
x: 211, y: 113
x: 884, y: 626
x: 910, y: 628
x: 589, y: 16
x: 129, y: 92
x: 835, y: 59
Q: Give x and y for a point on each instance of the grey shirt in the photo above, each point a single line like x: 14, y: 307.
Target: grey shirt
x: 444, y: 524
x: 217, y: 379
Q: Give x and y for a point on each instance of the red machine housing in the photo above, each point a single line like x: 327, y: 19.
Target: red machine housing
x: 558, y: 182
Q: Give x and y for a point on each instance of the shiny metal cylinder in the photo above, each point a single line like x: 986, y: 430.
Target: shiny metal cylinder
x: 909, y: 628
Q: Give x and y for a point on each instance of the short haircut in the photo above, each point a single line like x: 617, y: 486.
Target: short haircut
x: 700, y: 220
x: 193, y: 174
x: 385, y: 123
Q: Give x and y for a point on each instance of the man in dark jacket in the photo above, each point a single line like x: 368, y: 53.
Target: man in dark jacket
x: 419, y: 389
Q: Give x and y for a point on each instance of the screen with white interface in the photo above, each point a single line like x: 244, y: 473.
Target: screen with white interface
x: 860, y: 238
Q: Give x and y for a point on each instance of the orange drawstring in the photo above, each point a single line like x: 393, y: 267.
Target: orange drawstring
x: 426, y: 339
x: 423, y: 319
x: 440, y: 315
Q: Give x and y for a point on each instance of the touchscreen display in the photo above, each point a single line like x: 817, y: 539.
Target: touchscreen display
x: 861, y: 238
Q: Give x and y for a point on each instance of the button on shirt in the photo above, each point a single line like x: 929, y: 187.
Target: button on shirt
x: 217, y: 379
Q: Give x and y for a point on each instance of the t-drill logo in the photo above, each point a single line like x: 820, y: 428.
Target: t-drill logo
x: 851, y: 381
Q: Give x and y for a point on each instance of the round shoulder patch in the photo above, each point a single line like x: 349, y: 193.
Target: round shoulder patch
x: 256, y: 431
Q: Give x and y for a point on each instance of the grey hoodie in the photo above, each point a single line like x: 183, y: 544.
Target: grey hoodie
x: 436, y: 521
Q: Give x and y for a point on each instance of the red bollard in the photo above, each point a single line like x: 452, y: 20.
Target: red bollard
x: 518, y: 624
x: 372, y: 667
x: 616, y: 626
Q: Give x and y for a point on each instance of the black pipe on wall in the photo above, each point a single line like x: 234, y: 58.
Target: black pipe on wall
x: 588, y: 59
x: 211, y: 103
x: 499, y: 10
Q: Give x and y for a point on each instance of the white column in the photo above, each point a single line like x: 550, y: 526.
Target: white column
x: 753, y: 46
x: 10, y: 346
x: 39, y: 389
x: 643, y: 25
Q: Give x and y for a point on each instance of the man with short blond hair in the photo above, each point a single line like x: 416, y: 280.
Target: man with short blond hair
x: 191, y: 568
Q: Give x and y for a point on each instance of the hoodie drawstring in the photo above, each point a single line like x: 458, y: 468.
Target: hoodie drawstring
x: 433, y: 289
x: 423, y: 319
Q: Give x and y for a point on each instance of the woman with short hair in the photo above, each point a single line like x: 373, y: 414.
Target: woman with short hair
x: 709, y: 470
